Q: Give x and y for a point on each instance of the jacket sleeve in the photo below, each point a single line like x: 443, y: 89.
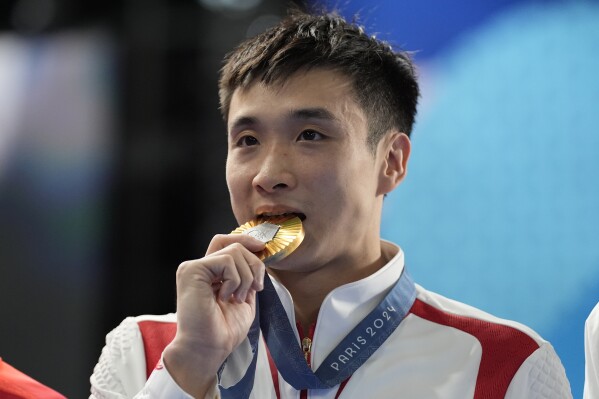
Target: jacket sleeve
x: 121, y: 370
x: 541, y: 376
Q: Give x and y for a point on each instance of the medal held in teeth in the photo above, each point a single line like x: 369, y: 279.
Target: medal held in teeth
x: 281, y: 234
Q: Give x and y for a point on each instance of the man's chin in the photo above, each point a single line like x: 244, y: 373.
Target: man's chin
x: 283, y: 265
x: 294, y: 262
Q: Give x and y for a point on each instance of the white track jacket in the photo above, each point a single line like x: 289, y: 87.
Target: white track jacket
x: 442, y: 349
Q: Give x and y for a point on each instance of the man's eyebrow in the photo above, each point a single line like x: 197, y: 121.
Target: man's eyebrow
x: 313, y: 113
x: 242, y: 122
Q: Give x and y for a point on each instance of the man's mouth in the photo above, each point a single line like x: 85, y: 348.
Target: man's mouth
x: 272, y: 215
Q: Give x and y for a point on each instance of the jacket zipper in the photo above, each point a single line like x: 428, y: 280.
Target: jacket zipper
x: 307, y: 349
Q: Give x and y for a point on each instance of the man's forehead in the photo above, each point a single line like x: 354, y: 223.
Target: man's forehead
x: 314, y: 94
x: 313, y: 79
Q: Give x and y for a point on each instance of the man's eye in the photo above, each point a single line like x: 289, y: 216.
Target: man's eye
x: 247, y: 141
x: 310, y: 135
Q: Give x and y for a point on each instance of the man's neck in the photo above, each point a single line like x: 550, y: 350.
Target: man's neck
x: 309, y: 289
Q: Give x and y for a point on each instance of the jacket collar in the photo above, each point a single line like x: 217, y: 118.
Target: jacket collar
x: 347, y: 305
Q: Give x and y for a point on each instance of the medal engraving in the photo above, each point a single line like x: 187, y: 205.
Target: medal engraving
x: 264, y: 232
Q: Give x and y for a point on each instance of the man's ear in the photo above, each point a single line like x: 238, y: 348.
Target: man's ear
x: 395, y: 150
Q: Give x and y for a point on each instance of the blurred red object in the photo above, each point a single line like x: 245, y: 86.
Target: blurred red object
x: 17, y: 385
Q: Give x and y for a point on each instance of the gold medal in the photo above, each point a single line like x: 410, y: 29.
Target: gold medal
x: 281, y: 234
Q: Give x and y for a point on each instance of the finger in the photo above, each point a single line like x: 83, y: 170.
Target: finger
x: 213, y: 272
x: 224, y: 269
x: 245, y: 258
x: 242, y: 258
x: 232, y: 270
x: 251, y: 299
x: 259, y: 271
x: 237, y: 274
x: 221, y: 241
x: 257, y: 268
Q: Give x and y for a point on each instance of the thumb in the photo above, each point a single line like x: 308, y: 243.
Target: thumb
x: 221, y: 241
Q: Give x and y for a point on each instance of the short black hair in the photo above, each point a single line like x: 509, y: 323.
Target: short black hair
x: 384, y: 81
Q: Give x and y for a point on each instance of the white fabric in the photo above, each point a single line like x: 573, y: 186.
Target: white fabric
x: 591, y: 352
x: 421, y: 359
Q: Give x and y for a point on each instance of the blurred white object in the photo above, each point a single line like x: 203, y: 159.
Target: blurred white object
x: 591, y: 351
x: 13, y: 61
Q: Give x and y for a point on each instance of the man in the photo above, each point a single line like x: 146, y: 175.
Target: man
x: 591, y: 351
x: 318, y: 117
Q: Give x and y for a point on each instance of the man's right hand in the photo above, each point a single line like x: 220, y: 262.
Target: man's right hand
x: 216, y: 304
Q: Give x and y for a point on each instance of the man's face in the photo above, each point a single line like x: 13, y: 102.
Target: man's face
x: 301, y: 148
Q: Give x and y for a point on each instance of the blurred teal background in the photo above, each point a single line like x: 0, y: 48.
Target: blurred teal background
x: 500, y: 208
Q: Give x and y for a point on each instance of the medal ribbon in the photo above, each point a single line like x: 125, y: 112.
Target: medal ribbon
x: 355, y: 349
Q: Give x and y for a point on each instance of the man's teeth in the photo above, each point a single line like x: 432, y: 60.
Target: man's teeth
x: 285, y: 214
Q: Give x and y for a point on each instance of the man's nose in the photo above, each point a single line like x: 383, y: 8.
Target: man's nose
x: 275, y: 173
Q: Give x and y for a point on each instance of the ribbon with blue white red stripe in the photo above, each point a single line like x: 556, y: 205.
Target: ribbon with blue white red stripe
x: 353, y: 351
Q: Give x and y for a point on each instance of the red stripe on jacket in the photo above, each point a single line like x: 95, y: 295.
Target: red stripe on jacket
x: 504, y: 348
x: 156, y: 335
